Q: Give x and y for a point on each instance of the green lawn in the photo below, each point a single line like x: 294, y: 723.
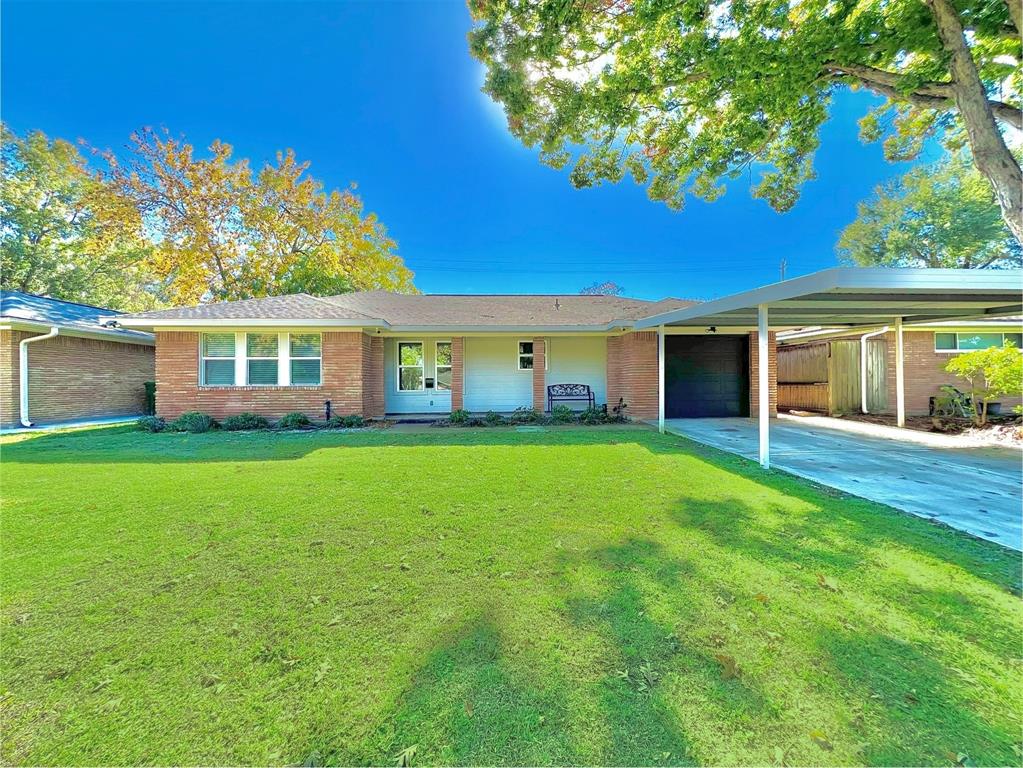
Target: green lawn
x: 571, y: 596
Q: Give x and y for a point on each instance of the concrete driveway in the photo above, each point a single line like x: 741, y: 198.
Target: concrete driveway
x: 977, y: 490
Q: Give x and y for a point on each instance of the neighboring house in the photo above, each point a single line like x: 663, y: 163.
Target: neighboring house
x: 821, y: 369
x: 77, y: 368
x: 378, y: 353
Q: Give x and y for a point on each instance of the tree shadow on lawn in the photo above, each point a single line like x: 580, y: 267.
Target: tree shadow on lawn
x: 906, y: 638
x: 864, y: 523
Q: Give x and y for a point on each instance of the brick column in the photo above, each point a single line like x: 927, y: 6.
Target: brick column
x: 372, y: 376
x: 754, y: 374
x: 632, y: 373
x: 539, y: 379
x: 457, y: 373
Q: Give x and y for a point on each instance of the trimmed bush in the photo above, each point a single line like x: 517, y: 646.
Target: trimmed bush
x: 459, y: 417
x: 594, y: 415
x: 351, y: 421
x: 562, y: 414
x: 493, y: 419
x: 294, y: 420
x: 151, y: 424
x: 526, y: 416
x: 194, y: 422
x: 242, y: 421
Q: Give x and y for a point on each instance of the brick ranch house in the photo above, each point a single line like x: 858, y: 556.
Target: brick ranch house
x: 59, y: 363
x: 377, y: 353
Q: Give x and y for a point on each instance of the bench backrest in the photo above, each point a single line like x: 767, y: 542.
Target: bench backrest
x: 568, y: 390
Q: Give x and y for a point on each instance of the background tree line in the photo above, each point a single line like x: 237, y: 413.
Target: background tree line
x: 157, y: 225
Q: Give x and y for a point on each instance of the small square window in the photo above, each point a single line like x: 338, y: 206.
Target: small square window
x: 525, y: 355
x: 945, y: 342
x: 1015, y: 339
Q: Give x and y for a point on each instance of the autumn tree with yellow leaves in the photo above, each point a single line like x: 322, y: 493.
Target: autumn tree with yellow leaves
x: 199, y: 228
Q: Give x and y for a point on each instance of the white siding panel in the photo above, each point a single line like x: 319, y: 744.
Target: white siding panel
x: 579, y: 360
x: 425, y: 401
x: 492, y: 381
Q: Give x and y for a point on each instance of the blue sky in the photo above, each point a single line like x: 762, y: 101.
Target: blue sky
x: 385, y: 94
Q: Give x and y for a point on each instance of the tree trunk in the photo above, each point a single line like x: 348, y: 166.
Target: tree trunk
x: 1016, y: 14
x: 990, y: 154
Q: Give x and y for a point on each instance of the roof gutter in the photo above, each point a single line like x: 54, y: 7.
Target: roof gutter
x: 23, y: 372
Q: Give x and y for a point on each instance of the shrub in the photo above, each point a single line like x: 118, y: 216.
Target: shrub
x: 193, y: 421
x: 562, y: 414
x: 493, y: 419
x: 244, y: 421
x: 351, y: 421
x: 151, y: 424
x: 526, y: 416
x: 459, y: 417
x: 594, y: 415
x: 294, y: 420
x: 989, y: 374
x: 618, y: 412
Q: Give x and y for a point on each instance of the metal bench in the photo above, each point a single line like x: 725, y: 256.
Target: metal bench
x: 569, y: 392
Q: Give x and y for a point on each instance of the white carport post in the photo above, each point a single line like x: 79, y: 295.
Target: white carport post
x: 763, y: 388
x: 660, y: 379
x: 900, y: 376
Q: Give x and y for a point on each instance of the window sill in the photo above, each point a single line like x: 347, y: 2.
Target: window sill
x: 257, y: 387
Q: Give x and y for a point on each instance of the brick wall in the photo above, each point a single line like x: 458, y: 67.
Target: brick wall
x: 754, y: 373
x: 539, y: 374
x: 347, y: 358
x: 71, y: 378
x: 632, y: 373
x: 9, y: 377
x: 924, y: 371
x: 372, y: 376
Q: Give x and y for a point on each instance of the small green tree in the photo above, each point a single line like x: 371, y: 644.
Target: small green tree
x: 989, y: 373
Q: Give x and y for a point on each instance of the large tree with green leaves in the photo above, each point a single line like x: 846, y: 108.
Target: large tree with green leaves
x: 63, y: 233
x: 683, y: 95
x: 937, y: 215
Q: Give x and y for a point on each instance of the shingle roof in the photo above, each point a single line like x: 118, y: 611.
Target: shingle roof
x: 501, y: 310
x: 429, y: 310
x: 297, y: 306
x: 27, y: 307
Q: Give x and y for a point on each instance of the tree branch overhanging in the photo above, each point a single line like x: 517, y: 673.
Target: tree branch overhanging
x: 930, y: 95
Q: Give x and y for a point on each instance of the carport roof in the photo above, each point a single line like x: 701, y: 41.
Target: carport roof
x: 856, y: 296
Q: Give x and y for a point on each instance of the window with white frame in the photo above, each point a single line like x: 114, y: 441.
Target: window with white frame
x: 966, y: 342
x: 218, y: 359
x: 261, y: 353
x: 410, y: 366
x: 525, y: 359
x: 443, y: 365
x: 305, y: 353
x: 525, y: 355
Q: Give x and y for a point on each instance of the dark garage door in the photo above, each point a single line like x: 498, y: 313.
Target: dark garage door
x: 706, y: 376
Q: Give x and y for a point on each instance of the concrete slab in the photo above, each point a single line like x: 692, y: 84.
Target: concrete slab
x: 103, y: 422
x: 977, y: 490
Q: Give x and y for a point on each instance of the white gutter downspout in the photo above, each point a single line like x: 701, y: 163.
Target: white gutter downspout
x: 23, y: 371
x: 863, y: 366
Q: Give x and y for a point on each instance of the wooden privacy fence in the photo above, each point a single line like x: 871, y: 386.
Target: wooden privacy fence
x: 825, y: 376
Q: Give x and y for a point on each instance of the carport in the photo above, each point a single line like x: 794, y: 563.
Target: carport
x: 849, y: 298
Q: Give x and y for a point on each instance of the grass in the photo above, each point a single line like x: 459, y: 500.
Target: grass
x: 572, y: 596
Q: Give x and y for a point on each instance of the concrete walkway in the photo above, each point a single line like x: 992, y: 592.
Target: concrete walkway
x: 104, y: 422
x: 977, y: 490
